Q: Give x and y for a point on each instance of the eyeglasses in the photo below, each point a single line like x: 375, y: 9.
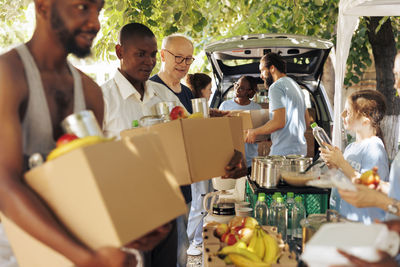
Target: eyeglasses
x: 180, y: 59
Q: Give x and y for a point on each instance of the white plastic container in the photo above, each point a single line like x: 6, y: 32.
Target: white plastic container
x: 357, y: 239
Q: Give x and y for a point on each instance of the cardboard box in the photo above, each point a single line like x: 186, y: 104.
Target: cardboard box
x: 252, y: 118
x: 29, y: 251
x: 198, y: 149
x: 108, y: 194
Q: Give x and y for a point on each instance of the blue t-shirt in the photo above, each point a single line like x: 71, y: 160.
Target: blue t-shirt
x: 185, y: 96
x: 286, y: 93
x: 251, y: 150
x: 394, y: 184
x: 363, y: 156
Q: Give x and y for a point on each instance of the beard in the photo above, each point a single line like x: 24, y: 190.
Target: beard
x: 269, y: 80
x: 66, y: 37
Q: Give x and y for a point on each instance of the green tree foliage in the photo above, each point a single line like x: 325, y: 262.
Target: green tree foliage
x: 210, y: 20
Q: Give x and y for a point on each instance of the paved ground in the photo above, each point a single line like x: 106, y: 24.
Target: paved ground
x: 194, y: 261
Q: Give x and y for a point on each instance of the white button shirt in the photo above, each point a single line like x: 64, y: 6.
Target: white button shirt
x: 122, y: 103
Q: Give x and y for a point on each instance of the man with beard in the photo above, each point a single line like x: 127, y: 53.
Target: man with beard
x: 38, y: 89
x: 288, y: 113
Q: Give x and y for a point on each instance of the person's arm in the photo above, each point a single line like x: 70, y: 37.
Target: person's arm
x: 277, y: 122
x: 366, y: 197
x: 385, y: 260
x: 307, y: 119
x: 17, y: 200
x: 334, y: 157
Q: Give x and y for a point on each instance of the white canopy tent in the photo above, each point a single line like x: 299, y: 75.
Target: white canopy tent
x: 349, y: 13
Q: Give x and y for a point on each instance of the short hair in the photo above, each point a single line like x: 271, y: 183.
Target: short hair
x: 172, y: 37
x: 252, y: 81
x: 134, y: 29
x: 273, y: 59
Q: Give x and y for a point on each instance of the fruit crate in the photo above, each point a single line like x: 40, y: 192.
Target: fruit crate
x: 315, y: 200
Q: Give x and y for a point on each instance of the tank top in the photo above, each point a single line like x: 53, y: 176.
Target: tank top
x: 37, y: 129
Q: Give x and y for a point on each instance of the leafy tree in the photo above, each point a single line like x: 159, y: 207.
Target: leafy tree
x: 210, y: 20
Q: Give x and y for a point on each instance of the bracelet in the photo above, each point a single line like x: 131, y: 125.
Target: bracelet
x: 393, y: 207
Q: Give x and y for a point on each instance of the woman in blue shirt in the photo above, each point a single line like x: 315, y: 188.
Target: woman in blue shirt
x: 362, y: 115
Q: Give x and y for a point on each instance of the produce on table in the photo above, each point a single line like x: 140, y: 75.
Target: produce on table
x: 251, y: 247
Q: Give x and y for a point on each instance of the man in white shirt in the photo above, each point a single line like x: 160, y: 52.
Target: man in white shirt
x: 130, y: 96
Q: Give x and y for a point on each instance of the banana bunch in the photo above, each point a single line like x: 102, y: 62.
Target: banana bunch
x: 262, y: 251
x: 80, y: 142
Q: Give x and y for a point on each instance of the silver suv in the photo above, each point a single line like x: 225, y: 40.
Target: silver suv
x: 305, y: 57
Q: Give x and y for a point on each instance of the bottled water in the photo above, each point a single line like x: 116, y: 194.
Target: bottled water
x: 261, y: 210
x: 271, y: 210
x: 289, y: 206
x: 299, y: 213
x: 320, y: 135
x: 281, y: 217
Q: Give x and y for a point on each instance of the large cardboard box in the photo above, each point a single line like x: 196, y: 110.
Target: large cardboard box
x: 198, y: 149
x: 108, y: 194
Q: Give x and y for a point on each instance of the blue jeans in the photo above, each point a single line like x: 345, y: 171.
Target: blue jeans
x: 197, y: 212
x: 183, y: 240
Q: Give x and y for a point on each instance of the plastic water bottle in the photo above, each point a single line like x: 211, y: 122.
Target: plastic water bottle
x: 261, y: 209
x: 298, y: 213
x: 271, y: 210
x: 289, y: 206
x: 281, y: 217
x: 135, y: 124
x: 320, y: 135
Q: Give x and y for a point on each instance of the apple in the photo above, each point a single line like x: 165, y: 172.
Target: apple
x: 221, y: 229
x: 231, y: 239
x: 236, y: 229
x: 235, y: 221
x: 178, y: 112
x: 245, y: 234
x: 249, y: 222
x: 65, y: 138
x: 370, y: 177
x: 224, y: 236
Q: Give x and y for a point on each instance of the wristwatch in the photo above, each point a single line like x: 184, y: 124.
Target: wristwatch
x: 393, y: 207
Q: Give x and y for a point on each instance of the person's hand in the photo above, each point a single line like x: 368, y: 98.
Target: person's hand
x: 152, y: 239
x: 218, y: 113
x: 109, y: 257
x: 236, y: 167
x: 385, y: 260
x: 393, y: 225
x: 332, y: 156
x: 363, y: 197
x: 250, y: 136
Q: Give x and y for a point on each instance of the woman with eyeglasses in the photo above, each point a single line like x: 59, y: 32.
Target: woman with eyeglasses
x: 245, y: 89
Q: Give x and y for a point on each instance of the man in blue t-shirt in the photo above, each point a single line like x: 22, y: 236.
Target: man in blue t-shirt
x: 287, y: 109
x: 176, y: 58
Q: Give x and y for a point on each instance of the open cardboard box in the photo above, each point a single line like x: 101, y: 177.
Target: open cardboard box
x: 108, y: 194
x: 198, y: 149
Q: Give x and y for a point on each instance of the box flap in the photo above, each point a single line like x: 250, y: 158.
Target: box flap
x: 209, y: 146
x: 171, y: 136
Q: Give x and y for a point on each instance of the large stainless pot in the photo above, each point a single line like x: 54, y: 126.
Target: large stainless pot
x: 268, y: 173
x: 280, y: 163
x: 297, y: 163
x: 254, y: 168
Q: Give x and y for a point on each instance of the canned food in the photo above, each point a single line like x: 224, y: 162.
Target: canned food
x: 82, y: 124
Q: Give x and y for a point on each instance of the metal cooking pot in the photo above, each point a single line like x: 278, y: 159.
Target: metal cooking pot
x: 297, y: 164
x: 280, y: 163
x: 268, y: 173
x: 254, y: 168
